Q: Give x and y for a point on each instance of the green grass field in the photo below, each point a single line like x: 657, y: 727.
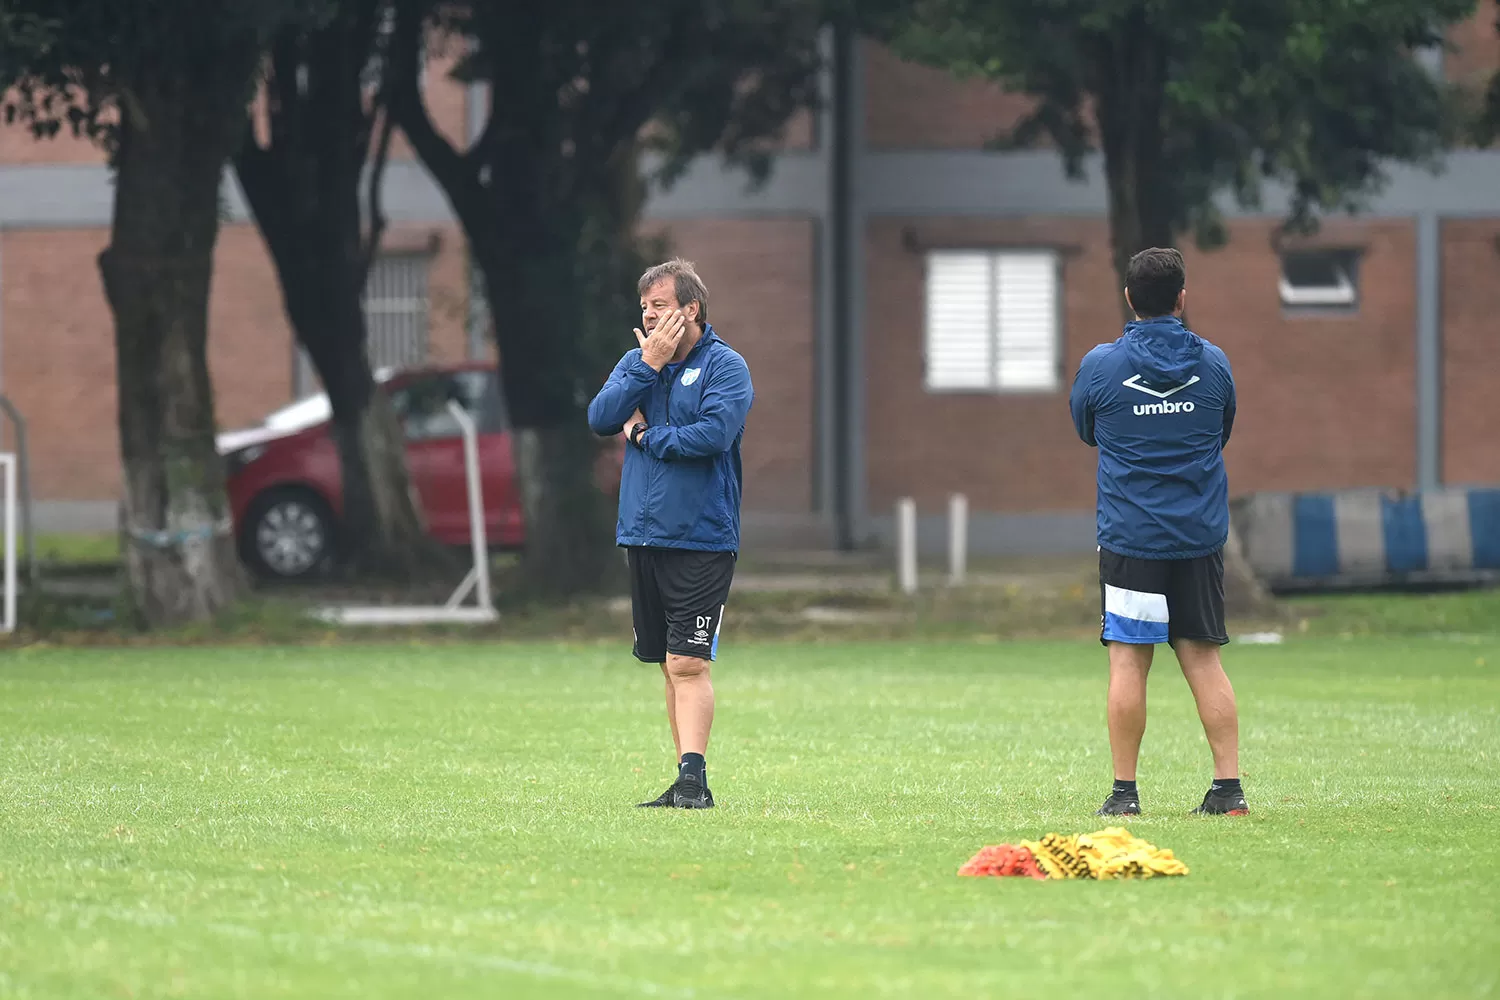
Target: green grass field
x: 456, y: 821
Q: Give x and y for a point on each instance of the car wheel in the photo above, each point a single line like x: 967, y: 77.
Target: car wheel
x: 288, y: 535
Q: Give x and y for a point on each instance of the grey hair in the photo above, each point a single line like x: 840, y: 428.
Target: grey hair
x: 685, y: 283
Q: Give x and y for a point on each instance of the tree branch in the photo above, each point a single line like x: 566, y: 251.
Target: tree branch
x: 631, y: 107
x: 456, y: 175
x: 358, y: 44
x: 377, y: 176
x: 266, y: 189
x: 281, y: 90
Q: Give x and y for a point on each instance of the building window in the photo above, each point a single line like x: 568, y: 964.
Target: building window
x: 992, y: 321
x: 396, y: 310
x: 1320, y: 280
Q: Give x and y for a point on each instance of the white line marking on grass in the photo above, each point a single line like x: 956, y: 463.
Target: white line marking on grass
x: 377, y: 948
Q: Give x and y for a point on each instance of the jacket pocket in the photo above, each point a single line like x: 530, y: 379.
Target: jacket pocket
x: 684, y: 497
x: 726, y: 510
x: 633, y: 484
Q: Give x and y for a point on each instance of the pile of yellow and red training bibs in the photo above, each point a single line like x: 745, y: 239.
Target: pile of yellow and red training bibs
x: 1111, y: 853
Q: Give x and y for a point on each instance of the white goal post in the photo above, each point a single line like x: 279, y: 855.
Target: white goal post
x: 478, y: 578
x: 8, y: 465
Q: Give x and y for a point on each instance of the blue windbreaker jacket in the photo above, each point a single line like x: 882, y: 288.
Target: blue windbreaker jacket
x: 1158, y: 404
x: 682, y: 489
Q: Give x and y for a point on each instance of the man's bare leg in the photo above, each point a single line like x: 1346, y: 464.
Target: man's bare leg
x: 689, y: 677
x: 664, y: 800
x: 672, y: 715
x: 694, y: 713
x: 1129, y: 665
x: 1216, y: 708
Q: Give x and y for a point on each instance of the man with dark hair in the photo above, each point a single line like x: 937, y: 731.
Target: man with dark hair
x: 682, y: 396
x: 1159, y: 403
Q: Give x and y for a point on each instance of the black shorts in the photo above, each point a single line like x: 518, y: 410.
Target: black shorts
x: 1147, y: 601
x: 677, y: 599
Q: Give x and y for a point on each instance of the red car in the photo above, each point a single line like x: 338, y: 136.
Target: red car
x: 286, y: 486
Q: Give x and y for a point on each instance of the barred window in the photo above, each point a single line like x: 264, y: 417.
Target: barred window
x: 395, y: 303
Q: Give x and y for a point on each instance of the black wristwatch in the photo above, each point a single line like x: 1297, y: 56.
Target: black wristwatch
x: 636, y: 432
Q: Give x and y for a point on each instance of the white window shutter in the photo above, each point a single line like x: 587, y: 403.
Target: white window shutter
x: 1026, y: 322
x: 959, y: 349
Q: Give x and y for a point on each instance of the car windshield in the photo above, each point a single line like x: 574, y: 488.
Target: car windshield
x: 311, y: 410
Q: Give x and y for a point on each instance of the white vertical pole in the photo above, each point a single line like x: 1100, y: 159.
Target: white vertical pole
x: 9, y: 462
x: 958, y: 538
x: 477, y: 539
x: 906, y: 545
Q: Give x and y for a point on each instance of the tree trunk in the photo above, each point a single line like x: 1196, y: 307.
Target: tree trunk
x: 524, y: 208
x: 1131, y: 95
x: 181, y: 559
x: 569, y: 521
x: 304, y: 192
x: 381, y: 532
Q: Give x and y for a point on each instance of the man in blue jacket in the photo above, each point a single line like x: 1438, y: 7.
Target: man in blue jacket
x: 1158, y: 404
x: 682, y: 397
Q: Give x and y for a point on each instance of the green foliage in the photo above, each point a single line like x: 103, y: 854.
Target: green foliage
x: 706, y: 74
x: 1315, y: 94
x: 70, y: 62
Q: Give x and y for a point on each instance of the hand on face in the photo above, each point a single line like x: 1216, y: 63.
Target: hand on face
x: 660, y: 347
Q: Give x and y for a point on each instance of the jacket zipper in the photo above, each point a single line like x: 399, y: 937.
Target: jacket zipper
x: 651, y: 473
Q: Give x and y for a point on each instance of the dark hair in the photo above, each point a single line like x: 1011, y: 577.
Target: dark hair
x: 1154, y: 279
x: 686, y: 284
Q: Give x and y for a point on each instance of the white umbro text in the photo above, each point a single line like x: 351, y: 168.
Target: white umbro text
x: 1142, y: 409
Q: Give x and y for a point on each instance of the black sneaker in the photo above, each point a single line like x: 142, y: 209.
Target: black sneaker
x: 1220, y: 802
x: 1121, y: 804
x: 690, y: 793
x: 662, y: 801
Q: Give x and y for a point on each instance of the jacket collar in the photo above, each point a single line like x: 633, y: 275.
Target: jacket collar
x: 708, y: 337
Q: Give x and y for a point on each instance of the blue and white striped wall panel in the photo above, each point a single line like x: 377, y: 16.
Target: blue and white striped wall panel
x: 1361, y: 537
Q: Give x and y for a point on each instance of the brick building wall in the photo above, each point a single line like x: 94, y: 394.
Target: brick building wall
x: 57, y: 349
x: 761, y: 300
x: 1007, y: 452
x: 58, y: 354
x: 1471, y: 350
x: 1326, y: 402
x: 1476, y: 48
x: 58, y: 359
